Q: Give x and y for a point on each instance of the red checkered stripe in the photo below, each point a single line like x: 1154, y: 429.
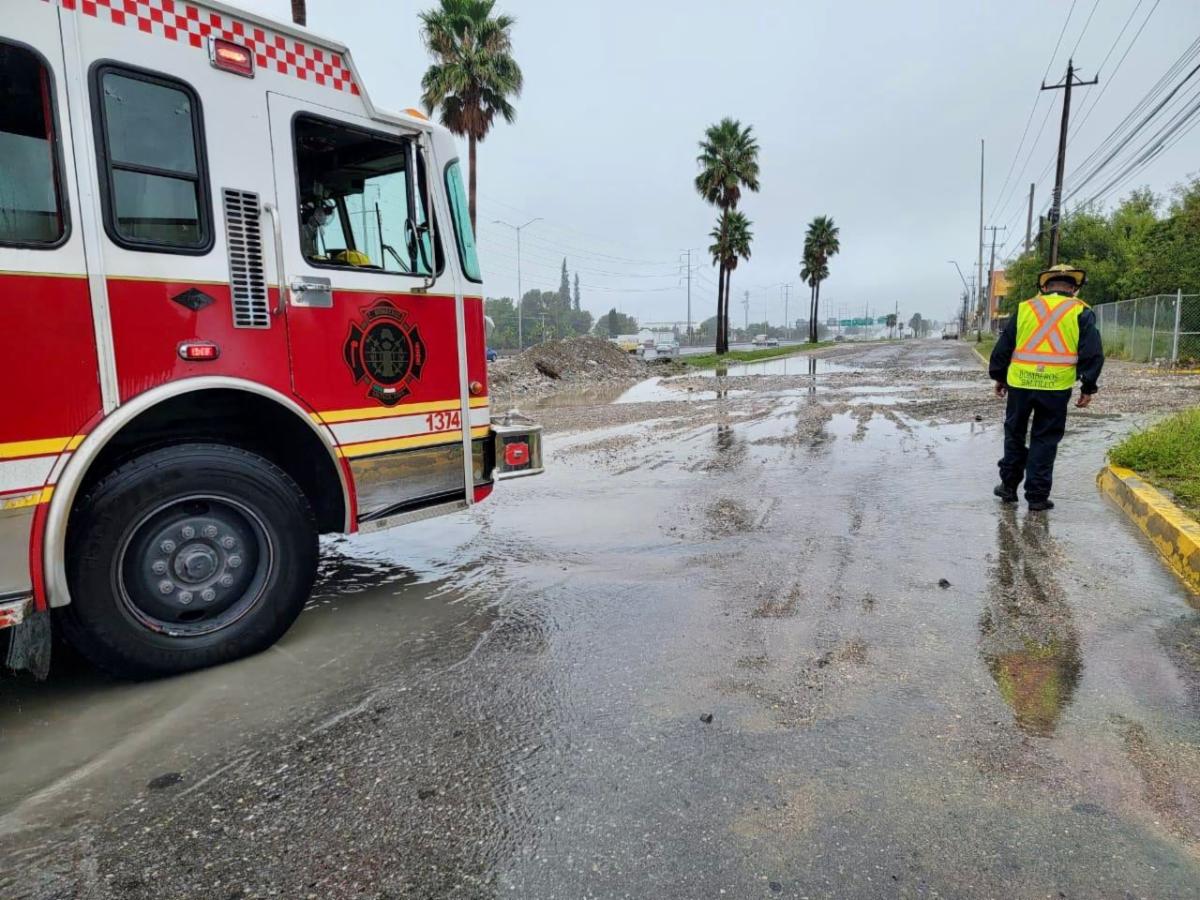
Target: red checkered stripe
x: 186, y: 23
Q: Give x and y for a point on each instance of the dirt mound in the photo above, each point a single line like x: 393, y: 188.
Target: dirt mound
x: 576, y: 361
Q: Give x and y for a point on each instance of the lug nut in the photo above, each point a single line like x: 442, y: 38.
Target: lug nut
x: 225, y: 580
x: 234, y: 561
x: 159, y: 567
x: 185, y: 597
x: 208, y: 595
x: 167, y: 546
x: 228, y: 542
x: 188, y: 532
x: 165, y: 586
x: 210, y: 531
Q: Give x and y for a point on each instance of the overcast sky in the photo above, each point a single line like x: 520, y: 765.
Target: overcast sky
x: 870, y: 112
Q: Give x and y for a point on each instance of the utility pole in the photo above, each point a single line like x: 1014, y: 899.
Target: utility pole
x: 992, y: 267
x: 517, y: 229
x: 1056, y: 200
x: 746, y: 309
x: 787, y: 289
x: 688, y: 252
x: 979, y: 280
x: 1029, y: 220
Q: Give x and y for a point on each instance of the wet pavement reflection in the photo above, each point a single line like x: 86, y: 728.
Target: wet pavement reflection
x: 1027, y: 634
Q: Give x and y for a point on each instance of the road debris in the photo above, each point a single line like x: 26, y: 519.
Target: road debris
x: 565, y: 364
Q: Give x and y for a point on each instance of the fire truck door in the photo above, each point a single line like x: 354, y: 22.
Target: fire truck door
x: 375, y: 356
x: 47, y: 336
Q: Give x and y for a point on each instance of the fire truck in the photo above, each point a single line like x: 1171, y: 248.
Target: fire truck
x: 240, y: 307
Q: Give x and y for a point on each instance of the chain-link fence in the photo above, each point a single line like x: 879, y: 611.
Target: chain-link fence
x: 1163, y: 329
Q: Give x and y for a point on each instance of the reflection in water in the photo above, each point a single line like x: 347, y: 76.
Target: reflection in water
x: 1027, y: 634
x: 812, y: 376
x: 726, y: 439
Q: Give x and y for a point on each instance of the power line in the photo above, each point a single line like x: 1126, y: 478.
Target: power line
x: 1127, y: 139
x: 1033, y: 109
x: 1109, y: 79
x: 1079, y: 40
x: 1159, y: 86
x: 1153, y: 147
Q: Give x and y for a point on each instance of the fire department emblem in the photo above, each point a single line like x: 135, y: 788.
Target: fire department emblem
x: 386, y: 351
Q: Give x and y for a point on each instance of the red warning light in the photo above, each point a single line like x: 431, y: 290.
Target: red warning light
x: 199, y: 351
x: 516, y: 454
x: 231, y: 57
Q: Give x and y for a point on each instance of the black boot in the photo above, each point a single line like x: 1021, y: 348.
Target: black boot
x: 1040, y: 505
x: 1005, y: 493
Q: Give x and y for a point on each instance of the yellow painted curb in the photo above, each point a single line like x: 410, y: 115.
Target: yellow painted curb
x: 1173, y: 532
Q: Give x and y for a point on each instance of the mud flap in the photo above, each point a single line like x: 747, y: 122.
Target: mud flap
x: 29, y: 646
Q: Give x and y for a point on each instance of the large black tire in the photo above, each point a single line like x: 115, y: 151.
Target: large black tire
x: 187, y: 557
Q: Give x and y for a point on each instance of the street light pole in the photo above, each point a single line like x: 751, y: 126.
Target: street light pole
x: 967, y: 288
x: 517, y: 229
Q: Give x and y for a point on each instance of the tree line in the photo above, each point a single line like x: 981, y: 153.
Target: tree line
x: 545, y: 315
x: 1146, y: 244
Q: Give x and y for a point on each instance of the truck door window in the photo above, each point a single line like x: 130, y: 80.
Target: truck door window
x: 31, y: 209
x: 152, y: 162
x: 359, y: 206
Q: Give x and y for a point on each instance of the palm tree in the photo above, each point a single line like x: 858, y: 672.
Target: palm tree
x: 811, y: 273
x: 820, y: 243
x: 731, y: 241
x: 473, y: 74
x: 728, y: 163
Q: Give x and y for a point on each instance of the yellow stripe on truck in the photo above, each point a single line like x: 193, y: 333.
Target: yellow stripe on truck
x: 370, y: 448
x: 333, y: 416
x: 42, y: 495
x: 42, y: 447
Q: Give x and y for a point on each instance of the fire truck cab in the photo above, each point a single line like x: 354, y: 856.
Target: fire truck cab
x: 240, y: 306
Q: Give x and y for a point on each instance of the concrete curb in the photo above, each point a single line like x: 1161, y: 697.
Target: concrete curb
x: 1173, y: 532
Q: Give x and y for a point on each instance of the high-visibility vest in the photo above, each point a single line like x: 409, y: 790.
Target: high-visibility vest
x: 1047, y: 343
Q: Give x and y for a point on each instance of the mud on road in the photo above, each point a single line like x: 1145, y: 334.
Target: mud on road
x: 757, y: 634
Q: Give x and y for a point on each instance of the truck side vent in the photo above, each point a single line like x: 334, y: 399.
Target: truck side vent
x: 247, y: 275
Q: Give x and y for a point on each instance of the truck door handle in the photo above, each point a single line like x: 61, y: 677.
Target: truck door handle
x: 312, y: 292
x: 277, y: 230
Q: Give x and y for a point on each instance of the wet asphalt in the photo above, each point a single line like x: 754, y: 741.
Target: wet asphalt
x: 767, y: 635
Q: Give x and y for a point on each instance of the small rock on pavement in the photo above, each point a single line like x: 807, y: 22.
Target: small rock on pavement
x: 943, y: 583
x: 706, y: 718
x: 165, y: 780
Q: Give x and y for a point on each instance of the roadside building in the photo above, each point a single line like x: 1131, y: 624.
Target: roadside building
x: 997, y: 292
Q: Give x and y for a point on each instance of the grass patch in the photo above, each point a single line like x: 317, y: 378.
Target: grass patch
x: 985, y: 345
x: 710, y: 360
x: 1168, y: 454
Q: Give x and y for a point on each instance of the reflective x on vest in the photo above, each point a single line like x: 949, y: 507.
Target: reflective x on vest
x: 1048, y: 331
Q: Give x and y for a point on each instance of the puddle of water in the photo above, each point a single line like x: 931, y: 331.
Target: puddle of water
x: 784, y: 365
x: 660, y: 390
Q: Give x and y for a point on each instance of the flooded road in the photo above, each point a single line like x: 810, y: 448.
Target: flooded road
x: 756, y: 634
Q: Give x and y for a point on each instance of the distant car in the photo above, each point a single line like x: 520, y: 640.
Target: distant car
x: 491, y: 354
x: 665, y: 347
x: 950, y: 331
x: 762, y: 340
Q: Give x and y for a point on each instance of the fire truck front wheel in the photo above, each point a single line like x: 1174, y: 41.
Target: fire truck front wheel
x: 186, y: 557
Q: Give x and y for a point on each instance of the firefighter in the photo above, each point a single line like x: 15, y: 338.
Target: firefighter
x: 1049, y: 344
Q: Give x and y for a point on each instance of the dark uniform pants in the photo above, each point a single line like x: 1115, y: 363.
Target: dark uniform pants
x: 1036, y: 463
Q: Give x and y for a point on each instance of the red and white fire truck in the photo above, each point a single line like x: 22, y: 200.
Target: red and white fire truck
x: 239, y: 307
